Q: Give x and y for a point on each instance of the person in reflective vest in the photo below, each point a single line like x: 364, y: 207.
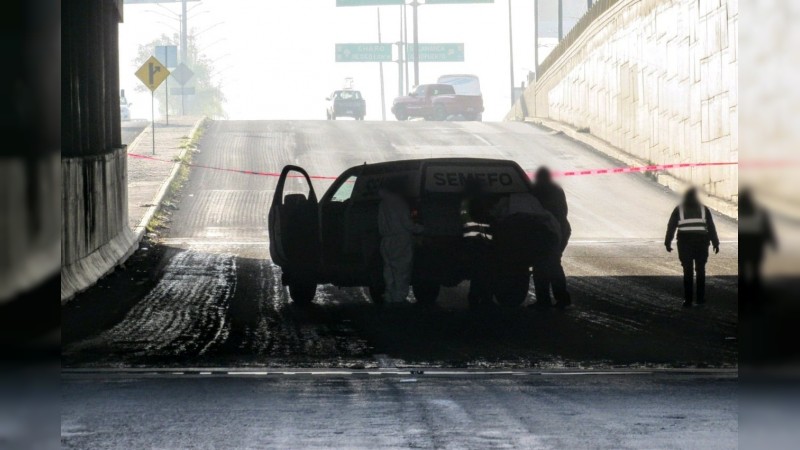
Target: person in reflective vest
x: 477, y: 234
x: 695, y: 229
x: 755, y: 234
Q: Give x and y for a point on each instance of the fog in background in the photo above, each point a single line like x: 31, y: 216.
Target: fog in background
x: 275, y: 59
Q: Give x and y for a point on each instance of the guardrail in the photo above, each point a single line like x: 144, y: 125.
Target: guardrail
x: 598, y: 8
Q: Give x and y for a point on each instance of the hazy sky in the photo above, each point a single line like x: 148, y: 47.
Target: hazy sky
x: 275, y: 58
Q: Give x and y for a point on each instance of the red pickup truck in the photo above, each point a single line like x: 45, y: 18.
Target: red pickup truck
x: 437, y: 102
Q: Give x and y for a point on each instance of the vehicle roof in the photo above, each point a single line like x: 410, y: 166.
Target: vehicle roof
x: 405, y: 163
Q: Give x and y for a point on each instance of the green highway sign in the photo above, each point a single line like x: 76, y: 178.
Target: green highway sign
x: 444, y: 2
x: 368, y: 2
x: 363, y: 52
x: 437, y: 52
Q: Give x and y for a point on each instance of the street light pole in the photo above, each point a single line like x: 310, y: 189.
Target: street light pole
x: 560, y: 20
x: 536, y: 38
x: 415, y: 5
x: 184, y: 50
x: 405, y: 46
x: 511, y: 52
x: 383, y: 98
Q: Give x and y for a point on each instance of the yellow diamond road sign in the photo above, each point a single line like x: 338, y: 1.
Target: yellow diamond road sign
x: 152, y: 73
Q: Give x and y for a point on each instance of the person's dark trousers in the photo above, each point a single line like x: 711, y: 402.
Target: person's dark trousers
x: 481, y: 273
x: 547, y: 276
x: 693, y: 254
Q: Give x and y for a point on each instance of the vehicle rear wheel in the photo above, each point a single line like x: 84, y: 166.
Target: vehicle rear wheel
x: 512, y: 289
x: 376, y: 294
x: 302, y: 292
x: 426, y: 293
x: 440, y: 113
x: 401, y: 114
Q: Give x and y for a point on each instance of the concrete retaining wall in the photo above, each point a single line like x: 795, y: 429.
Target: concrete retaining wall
x: 95, y: 235
x: 657, y: 79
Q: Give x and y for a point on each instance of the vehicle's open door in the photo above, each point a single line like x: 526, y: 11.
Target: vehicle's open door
x: 294, y: 227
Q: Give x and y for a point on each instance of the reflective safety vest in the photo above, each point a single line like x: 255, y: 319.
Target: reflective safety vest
x: 694, y: 225
x: 471, y: 228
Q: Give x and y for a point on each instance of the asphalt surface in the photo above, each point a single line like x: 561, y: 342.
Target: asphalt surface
x: 476, y: 411
x: 131, y: 129
x: 206, y: 293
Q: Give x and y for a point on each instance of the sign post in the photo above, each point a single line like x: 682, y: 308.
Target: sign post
x: 152, y: 74
x: 168, y: 55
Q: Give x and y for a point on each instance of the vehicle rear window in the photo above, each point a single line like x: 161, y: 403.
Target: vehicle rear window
x: 348, y: 95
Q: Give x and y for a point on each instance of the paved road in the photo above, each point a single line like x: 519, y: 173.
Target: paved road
x: 207, y: 294
x: 400, y: 411
x: 131, y: 129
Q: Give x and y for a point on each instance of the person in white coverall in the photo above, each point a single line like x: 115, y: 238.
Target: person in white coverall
x: 397, y: 243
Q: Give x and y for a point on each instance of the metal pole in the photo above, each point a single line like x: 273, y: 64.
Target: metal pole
x: 511, y: 52
x: 588, y: 5
x: 184, y: 49
x: 400, y: 57
x: 400, y: 69
x: 405, y: 46
x: 383, y: 98
x: 153, y: 118
x: 536, y: 38
x: 415, y: 5
x: 166, y: 89
x: 560, y: 20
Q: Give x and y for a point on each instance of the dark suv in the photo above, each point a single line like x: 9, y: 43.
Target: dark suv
x: 335, y: 239
x: 346, y: 103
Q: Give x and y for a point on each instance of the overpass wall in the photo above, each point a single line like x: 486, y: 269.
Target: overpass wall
x: 95, y: 236
x: 657, y: 79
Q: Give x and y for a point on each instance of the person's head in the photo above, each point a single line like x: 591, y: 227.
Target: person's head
x: 393, y: 185
x: 691, y: 197
x: 543, y: 175
x: 746, y: 203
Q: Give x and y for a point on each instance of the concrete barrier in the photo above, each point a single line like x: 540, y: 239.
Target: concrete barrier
x: 95, y: 236
x: 656, y: 79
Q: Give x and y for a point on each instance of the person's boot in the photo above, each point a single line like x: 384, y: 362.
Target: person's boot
x: 564, y: 301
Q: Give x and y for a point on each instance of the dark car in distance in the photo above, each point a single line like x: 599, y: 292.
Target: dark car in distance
x: 346, y: 103
x: 437, y: 102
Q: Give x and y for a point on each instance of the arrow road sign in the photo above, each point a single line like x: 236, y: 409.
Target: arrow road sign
x: 182, y: 74
x: 363, y: 52
x: 437, y: 52
x: 152, y: 73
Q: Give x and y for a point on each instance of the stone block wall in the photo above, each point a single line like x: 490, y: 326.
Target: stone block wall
x: 657, y: 79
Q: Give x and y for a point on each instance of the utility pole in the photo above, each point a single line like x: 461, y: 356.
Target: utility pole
x: 536, y: 38
x: 511, y: 52
x: 415, y: 5
x: 560, y: 20
x: 184, y: 49
x: 383, y: 99
x: 405, y: 46
x: 400, y: 57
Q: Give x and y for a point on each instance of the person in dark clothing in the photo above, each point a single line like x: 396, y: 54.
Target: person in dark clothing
x: 695, y: 227
x: 477, y: 234
x: 551, y: 273
x: 755, y: 234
